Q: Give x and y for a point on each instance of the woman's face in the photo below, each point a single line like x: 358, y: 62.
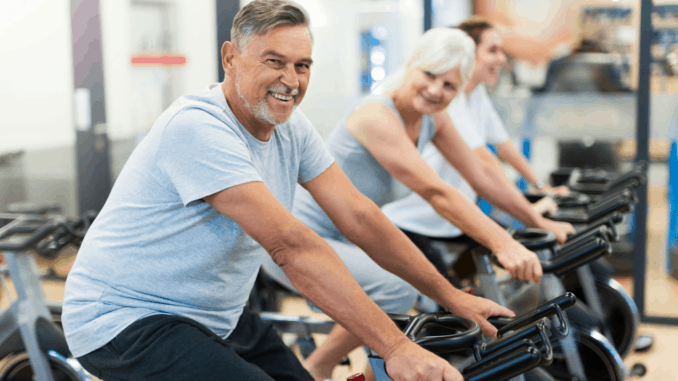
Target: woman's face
x: 430, y: 93
x: 490, y: 57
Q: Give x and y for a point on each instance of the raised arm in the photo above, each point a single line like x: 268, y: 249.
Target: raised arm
x: 382, y: 133
x: 320, y: 275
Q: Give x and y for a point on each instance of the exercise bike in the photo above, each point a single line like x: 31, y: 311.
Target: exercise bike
x: 523, y: 343
x: 607, y: 300
x: 33, y: 345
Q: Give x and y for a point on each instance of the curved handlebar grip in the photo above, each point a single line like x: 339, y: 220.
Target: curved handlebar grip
x: 21, y: 232
x: 506, y: 367
x: 552, y: 307
x: 67, y: 232
x: 537, y: 331
x: 585, y: 238
x: 609, y: 222
x: 592, y: 250
x: 534, y: 239
x: 468, y: 335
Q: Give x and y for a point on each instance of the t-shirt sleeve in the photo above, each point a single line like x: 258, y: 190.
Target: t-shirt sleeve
x: 494, y: 127
x: 315, y: 157
x: 201, y: 155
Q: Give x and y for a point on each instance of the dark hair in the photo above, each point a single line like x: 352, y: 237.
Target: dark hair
x: 261, y: 16
x: 475, y: 27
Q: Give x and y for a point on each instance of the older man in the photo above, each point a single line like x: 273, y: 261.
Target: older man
x: 159, y: 287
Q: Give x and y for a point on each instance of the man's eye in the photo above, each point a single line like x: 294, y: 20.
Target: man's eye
x: 274, y: 61
x: 303, y: 67
x: 450, y: 86
x: 429, y: 74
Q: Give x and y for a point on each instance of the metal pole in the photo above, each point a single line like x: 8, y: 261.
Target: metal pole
x: 226, y: 11
x: 428, y: 14
x: 642, y: 144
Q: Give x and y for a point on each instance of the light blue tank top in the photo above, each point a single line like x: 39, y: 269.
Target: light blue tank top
x: 363, y: 169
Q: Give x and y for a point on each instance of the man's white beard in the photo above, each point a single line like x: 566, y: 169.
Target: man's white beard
x: 261, y: 111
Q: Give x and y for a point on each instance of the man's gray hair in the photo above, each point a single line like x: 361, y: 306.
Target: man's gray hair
x: 261, y: 16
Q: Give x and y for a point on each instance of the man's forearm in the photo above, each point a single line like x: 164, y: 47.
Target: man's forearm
x: 320, y: 275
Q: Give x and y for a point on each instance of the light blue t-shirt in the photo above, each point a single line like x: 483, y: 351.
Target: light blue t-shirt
x: 157, y: 247
x: 361, y: 167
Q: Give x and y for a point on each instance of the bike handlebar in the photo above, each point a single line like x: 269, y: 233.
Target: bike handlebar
x: 569, y: 256
x: 67, y: 232
x: 550, y: 308
x: 20, y: 232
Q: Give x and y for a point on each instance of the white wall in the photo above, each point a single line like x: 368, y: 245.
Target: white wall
x: 36, y: 69
x: 36, y: 74
x: 451, y: 12
x: 131, y: 110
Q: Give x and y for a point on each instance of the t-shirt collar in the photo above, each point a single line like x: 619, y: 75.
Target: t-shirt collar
x: 218, y: 95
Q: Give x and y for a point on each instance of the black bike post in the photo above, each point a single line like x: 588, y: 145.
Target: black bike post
x: 91, y: 144
x: 642, y: 153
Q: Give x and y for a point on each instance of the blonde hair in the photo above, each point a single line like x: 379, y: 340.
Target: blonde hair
x: 437, y: 51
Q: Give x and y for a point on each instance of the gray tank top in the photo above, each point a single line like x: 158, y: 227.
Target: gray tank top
x: 364, y: 171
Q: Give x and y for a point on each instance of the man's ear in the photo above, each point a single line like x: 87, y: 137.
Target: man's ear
x: 228, y: 54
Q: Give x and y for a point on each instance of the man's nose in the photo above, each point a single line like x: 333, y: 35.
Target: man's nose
x: 289, y: 77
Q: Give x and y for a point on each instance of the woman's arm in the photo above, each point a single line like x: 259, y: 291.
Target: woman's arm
x: 382, y: 133
x: 510, y: 154
x: 488, y: 182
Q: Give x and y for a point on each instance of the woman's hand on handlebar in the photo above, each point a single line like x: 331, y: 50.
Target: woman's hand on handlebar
x: 412, y: 362
x: 561, y: 190
x: 519, y: 262
x: 479, y: 310
x: 545, y: 205
x: 560, y: 229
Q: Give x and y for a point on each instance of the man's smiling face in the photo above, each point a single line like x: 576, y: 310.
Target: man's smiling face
x: 272, y: 73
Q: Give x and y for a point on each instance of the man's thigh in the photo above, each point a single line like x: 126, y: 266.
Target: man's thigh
x: 164, y: 347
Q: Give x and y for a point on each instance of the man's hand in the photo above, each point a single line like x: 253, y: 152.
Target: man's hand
x: 479, y: 310
x: 560, y: 229
x: 519, y: 262
x: 412, y: 362
x: 545, y: 205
